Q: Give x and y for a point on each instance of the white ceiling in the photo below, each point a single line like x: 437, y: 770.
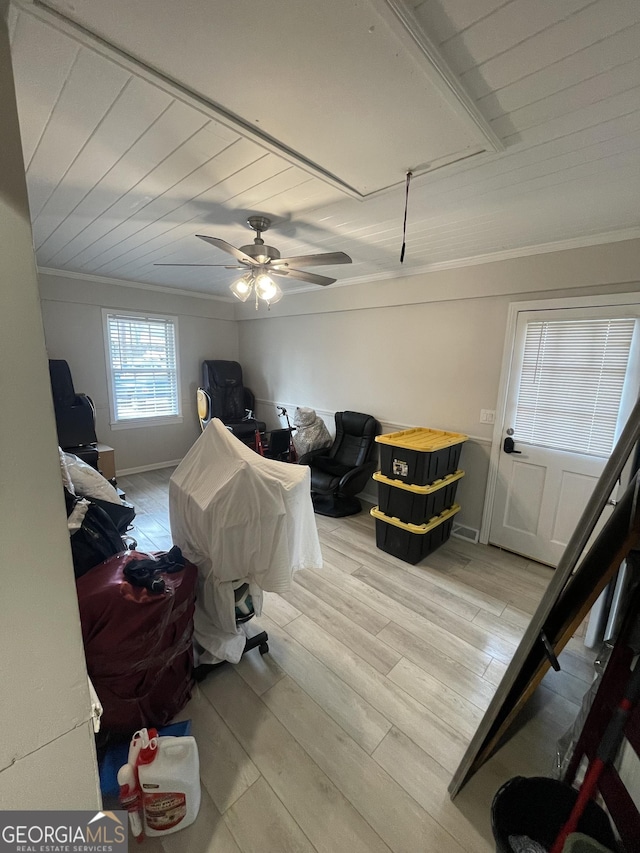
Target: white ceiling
x: 145, y: 123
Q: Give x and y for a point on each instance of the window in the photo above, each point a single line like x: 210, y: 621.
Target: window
x: 572, y: 379
x: 142, y: 366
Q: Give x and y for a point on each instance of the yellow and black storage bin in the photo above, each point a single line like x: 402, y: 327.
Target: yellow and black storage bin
x: 412, y: 542
x: 416, y: 504
x: 419, y: 456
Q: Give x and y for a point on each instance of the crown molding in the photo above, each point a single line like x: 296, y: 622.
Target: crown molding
x: 121, y: 282
x: 493, y: 257
x: 489, y: 258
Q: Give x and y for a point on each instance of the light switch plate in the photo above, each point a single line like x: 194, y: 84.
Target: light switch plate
x: 487, y: 416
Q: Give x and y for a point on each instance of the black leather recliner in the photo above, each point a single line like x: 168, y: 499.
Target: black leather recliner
x: 340, y: 472
x: 75, y: 414
x: 223, y: 395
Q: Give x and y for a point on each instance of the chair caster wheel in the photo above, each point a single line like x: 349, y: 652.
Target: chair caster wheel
x: 263, y: 648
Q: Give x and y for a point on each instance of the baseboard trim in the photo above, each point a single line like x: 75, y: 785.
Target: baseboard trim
x: 140, y: 469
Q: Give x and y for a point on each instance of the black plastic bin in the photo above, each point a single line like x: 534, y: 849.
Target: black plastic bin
x: 420, y: 456
x: 538, y: 808
x: 416, y: 504
x: 412, y: 542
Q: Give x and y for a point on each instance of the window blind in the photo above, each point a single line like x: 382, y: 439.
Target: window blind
x: 571, y: 384
x: 143, y: 366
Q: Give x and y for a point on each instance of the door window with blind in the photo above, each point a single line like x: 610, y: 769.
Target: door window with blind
x: 572, y: 381
x: 142, y: 366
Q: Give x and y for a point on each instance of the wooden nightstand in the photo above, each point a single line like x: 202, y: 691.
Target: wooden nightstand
x: 106, y: 461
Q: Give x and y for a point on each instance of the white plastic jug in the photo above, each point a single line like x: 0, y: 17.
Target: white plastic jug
x: 170, y: 786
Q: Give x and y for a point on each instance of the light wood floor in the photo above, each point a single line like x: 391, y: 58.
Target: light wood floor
x: 344, y: 738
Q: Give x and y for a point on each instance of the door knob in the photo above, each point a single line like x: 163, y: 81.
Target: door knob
x: 509, y: 446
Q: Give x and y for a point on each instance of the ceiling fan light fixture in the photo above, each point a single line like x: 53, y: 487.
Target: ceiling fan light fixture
x: 267, y: 289
x: 277, y: 296
x: 258, y: 259
x: 241, y: 288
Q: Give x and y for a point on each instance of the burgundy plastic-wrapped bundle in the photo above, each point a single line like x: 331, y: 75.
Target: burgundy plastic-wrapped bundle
x: 138, y: 644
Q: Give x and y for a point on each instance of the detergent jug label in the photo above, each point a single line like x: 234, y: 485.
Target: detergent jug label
x: 164, y: 811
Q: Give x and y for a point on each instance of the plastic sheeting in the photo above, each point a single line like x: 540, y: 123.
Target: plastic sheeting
x: 240, y: 518
x: 138, y: 645
x: 86, y: 481
x: 568, y: 741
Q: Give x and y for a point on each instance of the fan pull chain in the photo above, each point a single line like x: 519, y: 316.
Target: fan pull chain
x: 404, y: 224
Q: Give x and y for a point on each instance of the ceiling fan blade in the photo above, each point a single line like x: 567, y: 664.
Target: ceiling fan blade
x: 303, y: 276
x: 226, y: 266
x: 314, y: 260
x: 227, y: 247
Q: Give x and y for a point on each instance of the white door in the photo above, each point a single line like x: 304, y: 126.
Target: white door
x: 573, y: 375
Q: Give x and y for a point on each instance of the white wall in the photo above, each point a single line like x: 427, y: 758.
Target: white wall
x: 71, y: 310
x: 418, y: 351
x: 47, y: 755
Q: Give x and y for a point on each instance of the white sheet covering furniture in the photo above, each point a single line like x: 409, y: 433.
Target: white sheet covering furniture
x: 240, y: 518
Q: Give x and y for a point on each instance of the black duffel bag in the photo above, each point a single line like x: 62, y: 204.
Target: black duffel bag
x: 121, y: 514
x: 98, y: 537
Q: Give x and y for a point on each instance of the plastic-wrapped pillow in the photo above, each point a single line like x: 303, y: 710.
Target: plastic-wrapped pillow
x: 64, y: 470
x: 304, y: 416
x: 311, y: 431
x: 88, y: 482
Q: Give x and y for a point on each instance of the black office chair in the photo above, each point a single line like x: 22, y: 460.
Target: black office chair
x: 75, y: 415
x: 340, y: 472
x: 223, y: 395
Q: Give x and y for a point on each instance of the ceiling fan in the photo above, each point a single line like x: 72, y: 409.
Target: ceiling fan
x: 261, y: 262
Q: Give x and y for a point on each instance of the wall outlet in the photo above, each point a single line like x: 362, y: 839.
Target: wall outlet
x: 487, y: 416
